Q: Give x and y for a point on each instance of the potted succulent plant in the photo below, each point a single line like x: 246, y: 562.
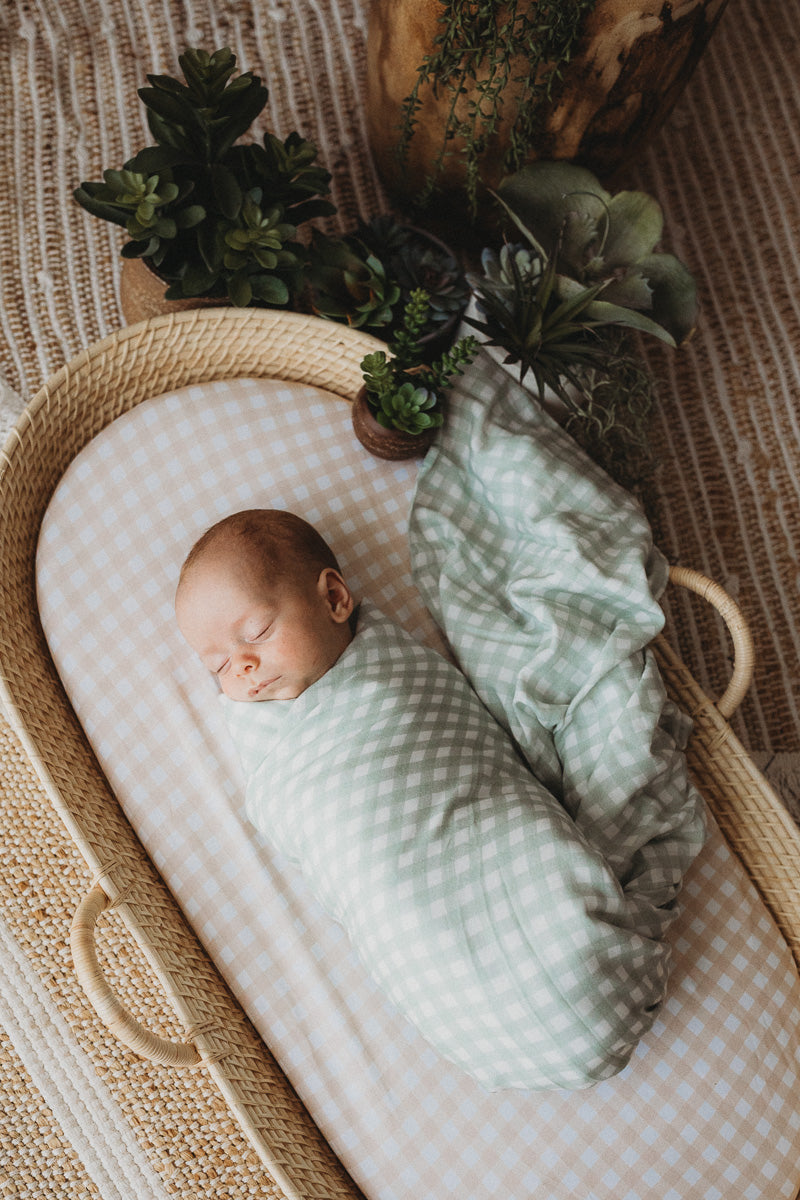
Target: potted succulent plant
x: 367, y: 277
x: 416, y: 258
x: 397, y: 411
x: 604, y: 240
x: 214, y: 218
x: 558, y: 303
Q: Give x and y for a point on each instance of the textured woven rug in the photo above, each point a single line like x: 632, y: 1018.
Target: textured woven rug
x: 80, y: 1115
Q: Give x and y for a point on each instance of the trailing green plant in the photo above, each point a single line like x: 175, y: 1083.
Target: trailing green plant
x: 483, y: 48
x: 213, y: 216
x: 402, y: 393
x: 599, y: 239
x: 613, y: 421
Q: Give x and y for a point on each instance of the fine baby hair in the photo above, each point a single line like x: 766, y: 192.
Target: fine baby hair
x: 286, y: 543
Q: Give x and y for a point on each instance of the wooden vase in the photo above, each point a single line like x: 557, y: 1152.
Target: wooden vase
x: 632, y: 60
x: 141, y: 294
x: 391, y: 444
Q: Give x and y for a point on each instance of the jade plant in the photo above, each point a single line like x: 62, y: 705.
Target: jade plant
x: 213, y: 216
x: 403, y: 393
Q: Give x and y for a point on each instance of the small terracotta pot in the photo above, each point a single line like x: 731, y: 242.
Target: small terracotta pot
x: 390, y: 444
x: 141, y: 294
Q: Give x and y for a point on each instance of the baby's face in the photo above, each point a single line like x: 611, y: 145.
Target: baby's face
x: 263, y: 642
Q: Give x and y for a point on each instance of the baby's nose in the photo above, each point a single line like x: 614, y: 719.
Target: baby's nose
x: 245, y: 664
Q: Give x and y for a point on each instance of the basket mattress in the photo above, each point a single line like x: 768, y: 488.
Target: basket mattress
x: 708, y: 1101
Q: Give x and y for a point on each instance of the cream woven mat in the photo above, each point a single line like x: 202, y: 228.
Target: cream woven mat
x: 723, y: 498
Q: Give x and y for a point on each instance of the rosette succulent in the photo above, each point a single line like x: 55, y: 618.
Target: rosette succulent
x: 349, y: 284
x: 411, y: 408
x: 415, y: 259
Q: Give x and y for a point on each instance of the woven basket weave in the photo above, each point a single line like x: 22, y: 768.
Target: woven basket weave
x: 101, y: 384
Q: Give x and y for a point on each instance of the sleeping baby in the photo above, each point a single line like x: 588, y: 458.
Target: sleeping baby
x: 262, y: 601
x: 523, y: 949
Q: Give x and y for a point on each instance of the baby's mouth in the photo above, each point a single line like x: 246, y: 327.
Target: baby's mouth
x: 260, y: 687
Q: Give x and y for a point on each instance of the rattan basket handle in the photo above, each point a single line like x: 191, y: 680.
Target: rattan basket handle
x: 109, y: 1009
x: 743, y: 651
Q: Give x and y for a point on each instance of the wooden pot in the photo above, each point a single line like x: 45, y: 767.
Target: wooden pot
x: 141, y: 294
x: 631, y: 63
x: 390, y: 444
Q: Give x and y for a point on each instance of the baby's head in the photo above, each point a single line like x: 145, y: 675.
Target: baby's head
x: 262, y: 601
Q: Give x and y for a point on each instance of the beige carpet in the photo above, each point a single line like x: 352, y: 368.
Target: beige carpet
x: 80, y: 1115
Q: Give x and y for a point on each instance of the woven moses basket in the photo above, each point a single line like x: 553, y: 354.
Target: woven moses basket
x: 84, y: 397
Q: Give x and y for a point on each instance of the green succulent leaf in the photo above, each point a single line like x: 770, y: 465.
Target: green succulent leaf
x: 635, y: 225
x: 165, y: 227
x: 189, y: 217
x: 270, y: 288
x: 87, y: 197
x: 210, y: 246
x: 140, y: 249
x: 265, y: 258
x: 166, y: 134
x: 167, y: 84
x: 176, y: 109
x: 244, y: 107
x: 227, y: 192
x: 542, y: 193
x: 674, y: 294
x: 197, y: 280
x: 630, y: 290
x: 239, y: 289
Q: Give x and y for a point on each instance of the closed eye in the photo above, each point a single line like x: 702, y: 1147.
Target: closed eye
x: 260, y: 636
x: 220, y: 670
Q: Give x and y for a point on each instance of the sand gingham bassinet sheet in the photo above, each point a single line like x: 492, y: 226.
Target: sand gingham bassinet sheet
x: 706, y: 1108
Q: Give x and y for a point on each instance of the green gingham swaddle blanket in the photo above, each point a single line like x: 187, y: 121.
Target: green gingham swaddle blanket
x: 519, y: 928
x: 464, y: 886
x: 543, y: 576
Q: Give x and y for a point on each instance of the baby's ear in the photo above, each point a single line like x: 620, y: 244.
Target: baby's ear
x: 337, y: 594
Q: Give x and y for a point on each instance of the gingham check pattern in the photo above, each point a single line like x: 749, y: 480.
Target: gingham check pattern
x: 706, y: 1108
x: 543, y: 576
x: 464, y: 886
